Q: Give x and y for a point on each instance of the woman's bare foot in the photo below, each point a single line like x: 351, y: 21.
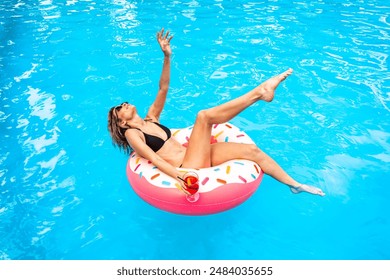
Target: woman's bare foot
x: 267, y: 89
x: 305, y: 188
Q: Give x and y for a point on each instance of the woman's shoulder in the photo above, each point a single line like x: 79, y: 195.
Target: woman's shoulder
x: 132, y: 132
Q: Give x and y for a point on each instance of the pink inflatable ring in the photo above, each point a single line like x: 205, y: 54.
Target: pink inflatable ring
x: 221, y: 187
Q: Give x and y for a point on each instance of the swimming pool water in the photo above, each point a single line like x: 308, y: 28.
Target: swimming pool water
x: 63, y: 188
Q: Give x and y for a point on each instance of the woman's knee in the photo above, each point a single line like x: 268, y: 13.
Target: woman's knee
x: 202, y: 116
x: 254, y: 151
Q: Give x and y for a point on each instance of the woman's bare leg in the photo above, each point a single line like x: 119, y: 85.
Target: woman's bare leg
x: 198, y: 153
x: 222, y: 152
x: 265, y: 92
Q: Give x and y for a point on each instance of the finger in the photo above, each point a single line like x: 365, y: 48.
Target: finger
x: 183, y: 189
x: 158, y: 35
x: 170, y: 38
x: 161, y: 32
x: 166, y: 35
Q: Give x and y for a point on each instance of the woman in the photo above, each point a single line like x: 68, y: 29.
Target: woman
x: 151, y: 140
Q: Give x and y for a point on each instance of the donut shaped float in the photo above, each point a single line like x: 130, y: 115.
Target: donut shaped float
x: 221, y: 187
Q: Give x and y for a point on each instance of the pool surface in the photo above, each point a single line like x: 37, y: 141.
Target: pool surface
x: 64, y: 193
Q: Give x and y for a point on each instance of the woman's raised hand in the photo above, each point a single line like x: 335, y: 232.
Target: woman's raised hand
x: 164, y: 41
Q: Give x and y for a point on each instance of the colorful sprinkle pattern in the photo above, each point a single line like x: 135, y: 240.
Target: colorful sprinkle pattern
x: 235, y: 171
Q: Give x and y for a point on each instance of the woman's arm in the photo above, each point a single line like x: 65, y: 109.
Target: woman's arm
x: 146, y: 152
x: 158, y: 105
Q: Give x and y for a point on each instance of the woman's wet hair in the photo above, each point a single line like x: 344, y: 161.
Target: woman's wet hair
x: 117, y: 133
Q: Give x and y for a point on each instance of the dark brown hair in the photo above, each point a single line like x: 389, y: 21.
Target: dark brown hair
x: 117, y: 133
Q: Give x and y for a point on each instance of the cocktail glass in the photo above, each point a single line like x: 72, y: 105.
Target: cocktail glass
x: 191, y: 185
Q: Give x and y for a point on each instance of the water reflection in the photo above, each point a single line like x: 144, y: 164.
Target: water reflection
x: 42, y: 104
x: 125, y: 14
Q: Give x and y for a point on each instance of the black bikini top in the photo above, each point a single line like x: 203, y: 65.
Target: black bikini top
x: 154, y: 142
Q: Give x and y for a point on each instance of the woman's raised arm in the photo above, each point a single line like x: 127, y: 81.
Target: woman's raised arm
x: 158, y: 104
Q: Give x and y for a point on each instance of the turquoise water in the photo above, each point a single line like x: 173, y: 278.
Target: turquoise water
x: 63, y: 188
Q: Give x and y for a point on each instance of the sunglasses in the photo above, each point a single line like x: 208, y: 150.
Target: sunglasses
x: 119, y: 107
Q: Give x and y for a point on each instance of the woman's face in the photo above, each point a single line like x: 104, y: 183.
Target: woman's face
x: 125, y: 111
